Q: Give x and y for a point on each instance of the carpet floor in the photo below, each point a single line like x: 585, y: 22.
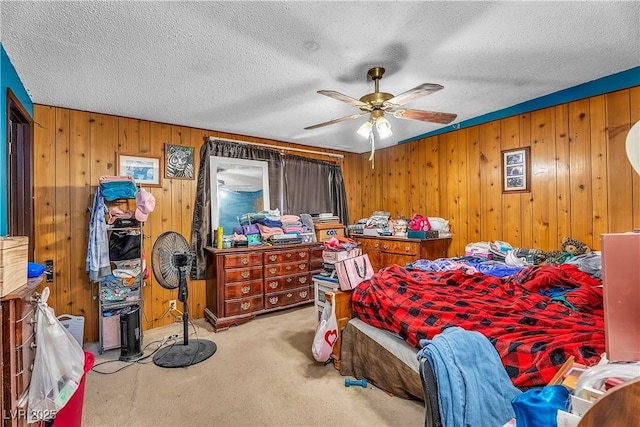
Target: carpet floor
x: 262, y: 374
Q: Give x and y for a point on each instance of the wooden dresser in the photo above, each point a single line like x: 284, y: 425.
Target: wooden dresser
x: 386, y: 251
x: 18, y: 310
x: 245, y: 282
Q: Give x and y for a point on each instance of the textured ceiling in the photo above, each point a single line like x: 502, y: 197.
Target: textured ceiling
x: 253, y: 68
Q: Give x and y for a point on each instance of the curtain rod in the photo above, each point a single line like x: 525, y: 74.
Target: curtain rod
x: 339, y: 156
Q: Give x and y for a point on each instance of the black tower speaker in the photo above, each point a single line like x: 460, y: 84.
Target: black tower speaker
x: 130, y: 333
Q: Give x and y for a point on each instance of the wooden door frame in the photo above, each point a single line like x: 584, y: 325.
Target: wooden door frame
x: 20, y: 210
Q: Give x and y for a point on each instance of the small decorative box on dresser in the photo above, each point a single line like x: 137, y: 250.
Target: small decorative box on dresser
x: 18, y: 350
x: 245, y: 282
x: 386, y: 251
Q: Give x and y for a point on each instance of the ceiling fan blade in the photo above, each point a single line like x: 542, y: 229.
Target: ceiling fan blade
x: 418, y: 91
x: 342, y: 97
x: 341, y: 119
x: 425, y: 116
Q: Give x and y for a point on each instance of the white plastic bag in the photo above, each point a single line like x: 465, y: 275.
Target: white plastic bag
x: 58, y: 366
x: 326, y: 334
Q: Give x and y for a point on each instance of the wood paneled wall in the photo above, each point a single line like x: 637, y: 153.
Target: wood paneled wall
x: 582, y: 184
x: 72, y: 150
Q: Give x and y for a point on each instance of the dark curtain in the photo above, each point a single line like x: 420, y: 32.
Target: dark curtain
x: 201, y: 235
x: 296, y: 185
x: 314, y: 186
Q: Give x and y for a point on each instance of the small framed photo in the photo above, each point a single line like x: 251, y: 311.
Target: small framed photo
x: 144, y: 169
x: 516, y: 174
x: 179, y: 163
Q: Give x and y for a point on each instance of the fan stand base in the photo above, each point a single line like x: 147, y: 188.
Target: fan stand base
x: 181, y: 355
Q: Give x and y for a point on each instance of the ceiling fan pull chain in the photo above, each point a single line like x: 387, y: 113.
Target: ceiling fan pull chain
x: 373, y: 149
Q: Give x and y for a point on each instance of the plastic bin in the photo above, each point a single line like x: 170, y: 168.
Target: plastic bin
x: 71, y: 414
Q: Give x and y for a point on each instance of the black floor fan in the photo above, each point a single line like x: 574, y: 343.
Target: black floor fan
x: 171, y: 260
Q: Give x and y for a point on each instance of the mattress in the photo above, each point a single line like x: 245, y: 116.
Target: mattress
x: 381, y: 357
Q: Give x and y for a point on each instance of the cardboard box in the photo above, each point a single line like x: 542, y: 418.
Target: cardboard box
x: 13, y: 263
x: 327, y: 230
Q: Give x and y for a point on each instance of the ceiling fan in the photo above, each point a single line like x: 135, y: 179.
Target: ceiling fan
x: 378, y: 103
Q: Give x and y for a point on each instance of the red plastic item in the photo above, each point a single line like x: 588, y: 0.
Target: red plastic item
x: 71, y: 414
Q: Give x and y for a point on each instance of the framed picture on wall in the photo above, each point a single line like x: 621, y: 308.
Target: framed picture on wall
x: 516, y: 174
x: 144, y: 169
x: 179, y: 162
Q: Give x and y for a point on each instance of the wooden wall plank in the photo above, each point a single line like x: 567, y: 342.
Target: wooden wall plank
x: 463, y: 189
x: 84, y: 294
x: 44, y: 191
x: 580, y: 167
x: 563, y: 185
x: 619, y: 169
x: 491, y: 182
x: 599, y: 171
x: 62, y: 292
x: 432, y: 176
x: 511, y: 219
x: 128, y: 135
x: 543, y: 173
x: 526, y: 201
x: 452, y: 198
x: 473, y: 187
x: 414, y: 179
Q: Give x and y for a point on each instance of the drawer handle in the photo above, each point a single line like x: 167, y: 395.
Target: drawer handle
x: 273, y: 270
x: 289, y: 279
x: 376, y: 245
x: 273, y: 300
x: 302, y: 254
x: 245, y: 261
x: 273, y: 285
x: 303, y: 280
x: 289, y: 295
x: 302, y: 266
x: 245, y: 274
x: 272, y: 257
x: 245, y: 289
x: 288, y: 267
x: 245, y: 305
x: 407, y: 248
x: 288, y: 255
x: 385, y: 246
x: 303, y: 294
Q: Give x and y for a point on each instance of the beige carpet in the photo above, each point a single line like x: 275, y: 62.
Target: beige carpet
x: 263, y: 374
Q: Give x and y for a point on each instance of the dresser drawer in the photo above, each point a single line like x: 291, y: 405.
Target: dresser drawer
x: 368, y: 244
x: 243, y: 274
x: 403, y: 248
x: 243, y: 290
x: 280, y: 299
x: 243, y: 306
x: 277, y: 257
x: 282, y: 283
x: 248, y: 259
x: 275, y: 270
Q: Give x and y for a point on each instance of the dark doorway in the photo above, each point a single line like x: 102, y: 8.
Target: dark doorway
x: 19, y: 171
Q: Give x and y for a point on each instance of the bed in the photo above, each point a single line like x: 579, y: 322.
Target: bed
x: 536, y: 319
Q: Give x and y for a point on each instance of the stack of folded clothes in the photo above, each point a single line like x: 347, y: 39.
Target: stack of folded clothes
x: 117, y: 187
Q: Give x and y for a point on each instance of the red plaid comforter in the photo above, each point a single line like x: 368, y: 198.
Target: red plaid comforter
x: 533, y: 335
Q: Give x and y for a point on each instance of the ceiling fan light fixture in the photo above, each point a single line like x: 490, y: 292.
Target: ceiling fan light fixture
x: 384, y: 127
x: 365, y: 129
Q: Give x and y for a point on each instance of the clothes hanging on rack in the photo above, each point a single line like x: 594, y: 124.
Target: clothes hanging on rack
x: 98, y: 264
